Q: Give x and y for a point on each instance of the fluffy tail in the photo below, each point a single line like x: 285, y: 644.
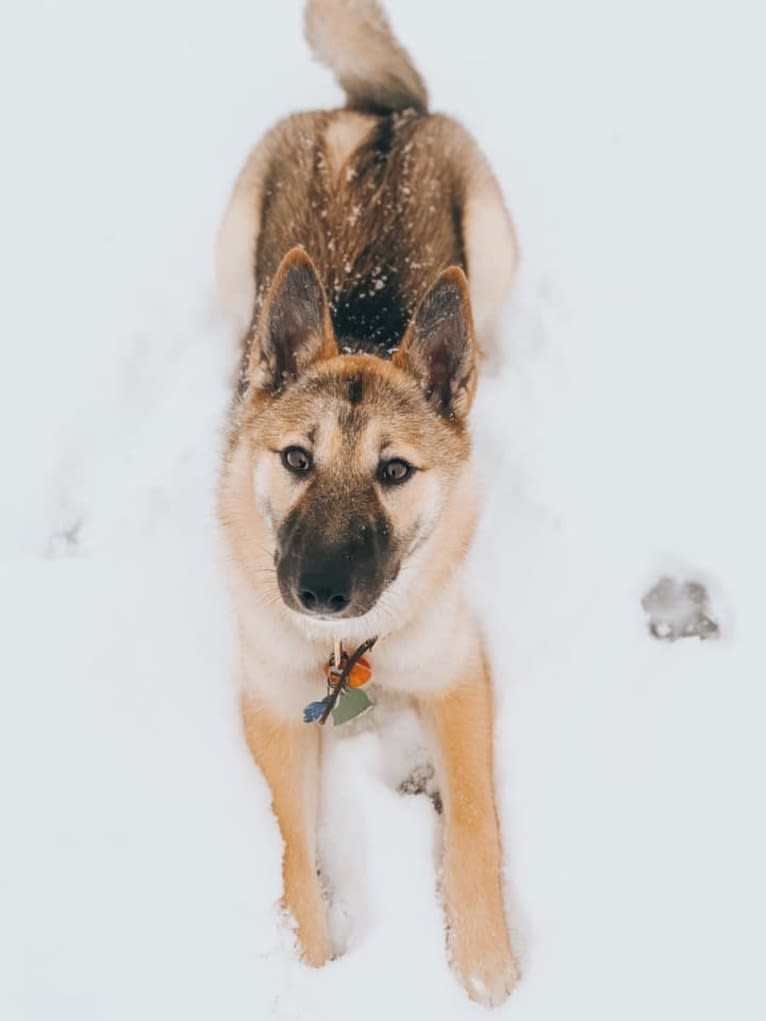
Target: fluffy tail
x: 354, y: 39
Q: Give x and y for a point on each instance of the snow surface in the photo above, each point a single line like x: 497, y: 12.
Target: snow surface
x: 620, y: 436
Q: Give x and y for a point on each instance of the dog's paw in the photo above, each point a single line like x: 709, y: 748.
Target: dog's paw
x: 314, y: 951
x: 489, y: 981
x: 309, y: 932
x: 481, y: 955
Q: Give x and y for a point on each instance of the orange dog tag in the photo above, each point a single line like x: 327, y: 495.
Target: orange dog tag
x: 360, y: 674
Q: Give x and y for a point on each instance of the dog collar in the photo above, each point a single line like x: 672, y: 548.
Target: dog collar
x: 346, y: 676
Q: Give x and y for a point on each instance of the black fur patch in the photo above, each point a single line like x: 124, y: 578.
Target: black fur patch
x: 370, y: 320
x: 355, y: 391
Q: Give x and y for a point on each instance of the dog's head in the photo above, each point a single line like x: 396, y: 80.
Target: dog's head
x: 349, y: 471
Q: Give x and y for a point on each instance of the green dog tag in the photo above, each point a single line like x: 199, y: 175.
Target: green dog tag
x: 352, y: 703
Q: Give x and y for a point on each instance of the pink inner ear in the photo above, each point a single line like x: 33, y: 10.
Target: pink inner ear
x: 440, y: 367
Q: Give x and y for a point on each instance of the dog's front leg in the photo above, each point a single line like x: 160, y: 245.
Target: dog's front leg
x: 288, y: 756
x: 462, y: 726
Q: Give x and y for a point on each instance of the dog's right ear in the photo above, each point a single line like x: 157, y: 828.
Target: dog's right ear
x: 439, y: 349
x: 294, y: 329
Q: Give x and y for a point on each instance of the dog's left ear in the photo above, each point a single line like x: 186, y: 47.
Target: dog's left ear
x: 439, y: 349
x: 294, y: 328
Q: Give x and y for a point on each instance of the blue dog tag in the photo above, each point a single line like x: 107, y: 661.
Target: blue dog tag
x: 314, y: 710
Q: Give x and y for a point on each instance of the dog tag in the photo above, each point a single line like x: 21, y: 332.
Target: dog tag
x: 314, y: 710
x: 352, y: 703
x: 345, y: 699
x: 360, y: 674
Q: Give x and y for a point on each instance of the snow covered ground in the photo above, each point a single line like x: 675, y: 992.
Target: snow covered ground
x: 620, y: 436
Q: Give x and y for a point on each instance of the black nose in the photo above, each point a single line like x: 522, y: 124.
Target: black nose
x: 327, y: 592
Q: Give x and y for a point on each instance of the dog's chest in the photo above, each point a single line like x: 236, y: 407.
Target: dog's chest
x: 288, y: 670
x: 400, y: 671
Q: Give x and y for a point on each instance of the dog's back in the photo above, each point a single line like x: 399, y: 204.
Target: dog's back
x: 381, y: 194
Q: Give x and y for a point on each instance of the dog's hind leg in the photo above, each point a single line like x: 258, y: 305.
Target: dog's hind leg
x: 461, y: 724
x: 490, y: 245
x: 288, y: 756
x: 237, y: 240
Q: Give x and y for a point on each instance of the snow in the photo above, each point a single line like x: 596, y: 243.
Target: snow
x: 618, y: 431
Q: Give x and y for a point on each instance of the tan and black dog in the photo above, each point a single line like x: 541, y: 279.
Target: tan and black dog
x: 361, y: 252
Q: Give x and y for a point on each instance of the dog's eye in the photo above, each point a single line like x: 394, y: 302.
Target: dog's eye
x: 394, y: 472
x: 297, y: 460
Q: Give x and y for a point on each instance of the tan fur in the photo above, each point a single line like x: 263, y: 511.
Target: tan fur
x: 343, y: 137
x: 238, y: 239
x: 491, y: 250
x: 381, y: 212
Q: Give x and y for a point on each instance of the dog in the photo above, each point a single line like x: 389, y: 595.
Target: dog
x: 362, y: 253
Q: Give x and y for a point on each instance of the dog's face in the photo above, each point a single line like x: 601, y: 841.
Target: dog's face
x: 354, y: 461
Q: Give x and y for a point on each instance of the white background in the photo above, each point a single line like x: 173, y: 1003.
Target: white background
x: 619, y: 434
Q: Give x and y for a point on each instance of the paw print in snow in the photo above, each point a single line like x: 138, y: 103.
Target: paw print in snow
x: 679, y: 610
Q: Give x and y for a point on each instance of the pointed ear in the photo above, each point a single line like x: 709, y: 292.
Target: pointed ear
x: 439, y: 349
x: 294, y: 328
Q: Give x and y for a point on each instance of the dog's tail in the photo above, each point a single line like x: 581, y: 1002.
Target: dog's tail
x: 354, y: 39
